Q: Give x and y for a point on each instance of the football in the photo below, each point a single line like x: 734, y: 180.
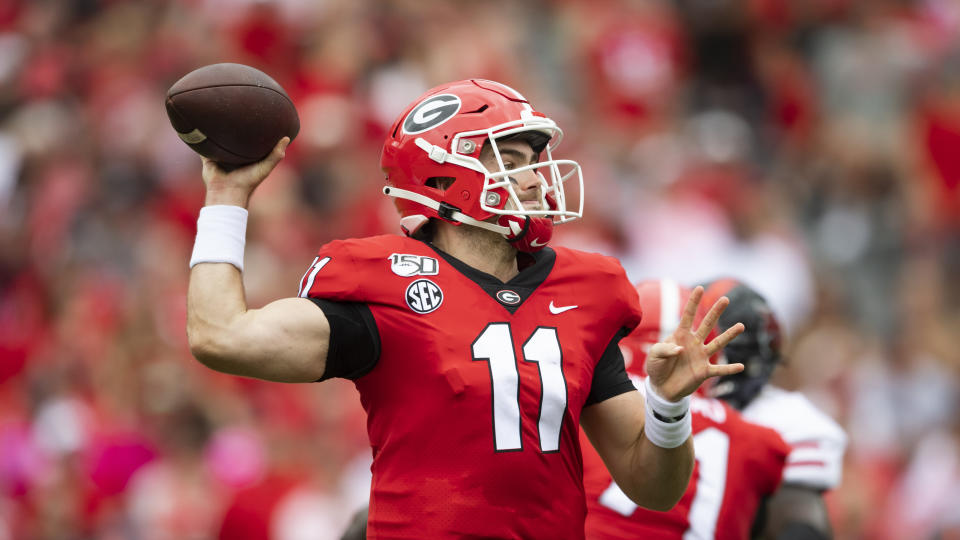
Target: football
x: 231, y: 113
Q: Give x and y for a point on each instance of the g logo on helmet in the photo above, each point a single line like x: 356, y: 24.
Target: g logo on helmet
x: 430, y: 113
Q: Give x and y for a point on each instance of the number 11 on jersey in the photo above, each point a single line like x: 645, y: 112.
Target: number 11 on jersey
x: 495, y: 346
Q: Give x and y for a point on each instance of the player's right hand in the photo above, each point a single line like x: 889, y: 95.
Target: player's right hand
x: 236, y: 186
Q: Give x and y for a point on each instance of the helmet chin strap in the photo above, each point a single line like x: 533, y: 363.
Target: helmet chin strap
x: 527, y: 234
x: 447, y: 212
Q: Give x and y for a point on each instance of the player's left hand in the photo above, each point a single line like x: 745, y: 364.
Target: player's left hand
x: 679, y: 364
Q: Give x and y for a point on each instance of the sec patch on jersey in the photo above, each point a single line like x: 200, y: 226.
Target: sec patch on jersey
x: 424, y: 296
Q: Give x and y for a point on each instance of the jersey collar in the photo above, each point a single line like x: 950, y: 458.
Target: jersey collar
x: 522, y: 285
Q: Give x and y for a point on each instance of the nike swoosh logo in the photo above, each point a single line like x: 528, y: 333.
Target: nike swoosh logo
x: 537, y: 243
x: 556, y: 310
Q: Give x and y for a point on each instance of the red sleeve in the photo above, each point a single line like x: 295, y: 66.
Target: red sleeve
x: 330, y: 276
x: 361, y: 269
x: 631, y: 300
x: 615, y: 284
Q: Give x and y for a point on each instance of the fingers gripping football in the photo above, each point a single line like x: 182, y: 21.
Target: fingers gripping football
x: 678, y: 365
x: 235, y: 186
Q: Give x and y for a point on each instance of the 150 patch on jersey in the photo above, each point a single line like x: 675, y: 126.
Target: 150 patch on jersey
x: 408, y: 265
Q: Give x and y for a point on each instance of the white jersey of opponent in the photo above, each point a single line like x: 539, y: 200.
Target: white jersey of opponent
x: 817, y: 442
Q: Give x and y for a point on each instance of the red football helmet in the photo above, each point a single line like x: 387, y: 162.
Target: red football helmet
x: 431, y: 159
x: 662, y: 301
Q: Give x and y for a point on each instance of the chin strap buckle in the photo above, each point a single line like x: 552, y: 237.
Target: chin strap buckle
x: 446, y: 211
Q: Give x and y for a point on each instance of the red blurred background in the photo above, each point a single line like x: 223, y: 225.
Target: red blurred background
x: 808, y: 147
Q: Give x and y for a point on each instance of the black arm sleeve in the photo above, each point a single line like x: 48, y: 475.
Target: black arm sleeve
x: 354, y: 340
x: 610, y: 376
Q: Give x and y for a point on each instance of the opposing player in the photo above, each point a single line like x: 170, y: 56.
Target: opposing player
x: 475, y: 348
x: 739, y: 464
x: 817, y: 442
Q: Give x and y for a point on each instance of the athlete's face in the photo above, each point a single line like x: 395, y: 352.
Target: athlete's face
x: 515, y: 154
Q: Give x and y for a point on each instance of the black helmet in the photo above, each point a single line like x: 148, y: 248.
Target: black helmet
x: 757, y: 348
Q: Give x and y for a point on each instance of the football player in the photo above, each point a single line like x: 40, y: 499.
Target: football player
x: 739, y: 464
x: 817, y: 442
x: 476, y: 349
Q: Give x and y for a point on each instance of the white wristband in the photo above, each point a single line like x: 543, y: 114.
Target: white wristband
x: 221, y: 235
x: 659, y: 432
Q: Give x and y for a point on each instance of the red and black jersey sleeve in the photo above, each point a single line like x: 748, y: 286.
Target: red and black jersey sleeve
x: 610, y: 377
x: 354, y: 346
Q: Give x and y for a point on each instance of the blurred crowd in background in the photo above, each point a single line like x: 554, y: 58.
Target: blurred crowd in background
x: 809, y: 147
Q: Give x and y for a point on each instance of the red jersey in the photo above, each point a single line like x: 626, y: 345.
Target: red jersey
x: 473, y: 407
x: 738, y: 464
